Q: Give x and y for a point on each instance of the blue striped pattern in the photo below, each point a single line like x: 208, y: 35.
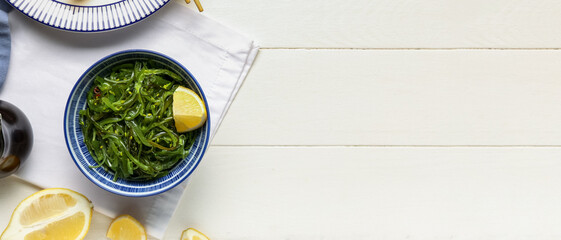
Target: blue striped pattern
x: 75, y: 138
x: 77, y: 18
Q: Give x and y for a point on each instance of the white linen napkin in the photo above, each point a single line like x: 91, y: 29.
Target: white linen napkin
x: 46, y: 63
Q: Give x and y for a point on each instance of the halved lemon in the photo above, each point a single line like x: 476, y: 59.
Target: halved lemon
x: 193, y: 234
x: 189, y: 111
x: 54, y: 213
x: 126, y: 227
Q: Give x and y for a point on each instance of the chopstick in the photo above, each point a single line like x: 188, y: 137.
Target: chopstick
x: 199, y: 6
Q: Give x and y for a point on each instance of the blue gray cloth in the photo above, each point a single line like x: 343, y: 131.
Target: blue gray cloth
x: 5, y: 40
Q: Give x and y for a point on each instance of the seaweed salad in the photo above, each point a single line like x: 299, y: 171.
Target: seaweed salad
x: 128, y: 123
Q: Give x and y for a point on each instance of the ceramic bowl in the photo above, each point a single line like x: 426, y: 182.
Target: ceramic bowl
x: 80, y: 153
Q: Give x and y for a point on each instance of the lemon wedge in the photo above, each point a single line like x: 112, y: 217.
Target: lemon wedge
x: 193, y: 234
x: 126, y: 227
x: 189, y: 111
x: 54, y: 213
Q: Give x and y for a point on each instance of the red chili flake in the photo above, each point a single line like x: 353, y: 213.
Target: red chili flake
x: 97, y: 92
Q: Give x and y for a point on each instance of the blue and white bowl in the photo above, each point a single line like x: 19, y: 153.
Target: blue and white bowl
x: 79, y: 152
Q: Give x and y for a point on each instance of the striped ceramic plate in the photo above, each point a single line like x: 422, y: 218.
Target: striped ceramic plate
x: 88, y: 15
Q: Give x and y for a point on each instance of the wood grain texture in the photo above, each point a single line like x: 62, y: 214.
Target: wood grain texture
x: 394, y: 23
x: 360, y: 193
x: 410, y: 97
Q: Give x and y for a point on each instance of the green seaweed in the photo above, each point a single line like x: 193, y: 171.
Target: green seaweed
x: 128, y: 122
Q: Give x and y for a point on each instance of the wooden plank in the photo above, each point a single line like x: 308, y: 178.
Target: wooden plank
x: 374, y: 193
x: 394, y: 23
x: 409, y: 97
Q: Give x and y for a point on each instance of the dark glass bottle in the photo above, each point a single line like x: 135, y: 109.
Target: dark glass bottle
x: 16, y: 138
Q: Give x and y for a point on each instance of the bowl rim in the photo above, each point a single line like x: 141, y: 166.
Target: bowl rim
x: 153, y: 192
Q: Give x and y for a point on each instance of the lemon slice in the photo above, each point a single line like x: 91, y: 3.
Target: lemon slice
x: 193, y: 234
x: 189, y: 112
x: 54, y: 213
x: 126, y: 227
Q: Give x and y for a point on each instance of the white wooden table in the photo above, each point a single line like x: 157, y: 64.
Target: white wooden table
x: 382, y: 119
